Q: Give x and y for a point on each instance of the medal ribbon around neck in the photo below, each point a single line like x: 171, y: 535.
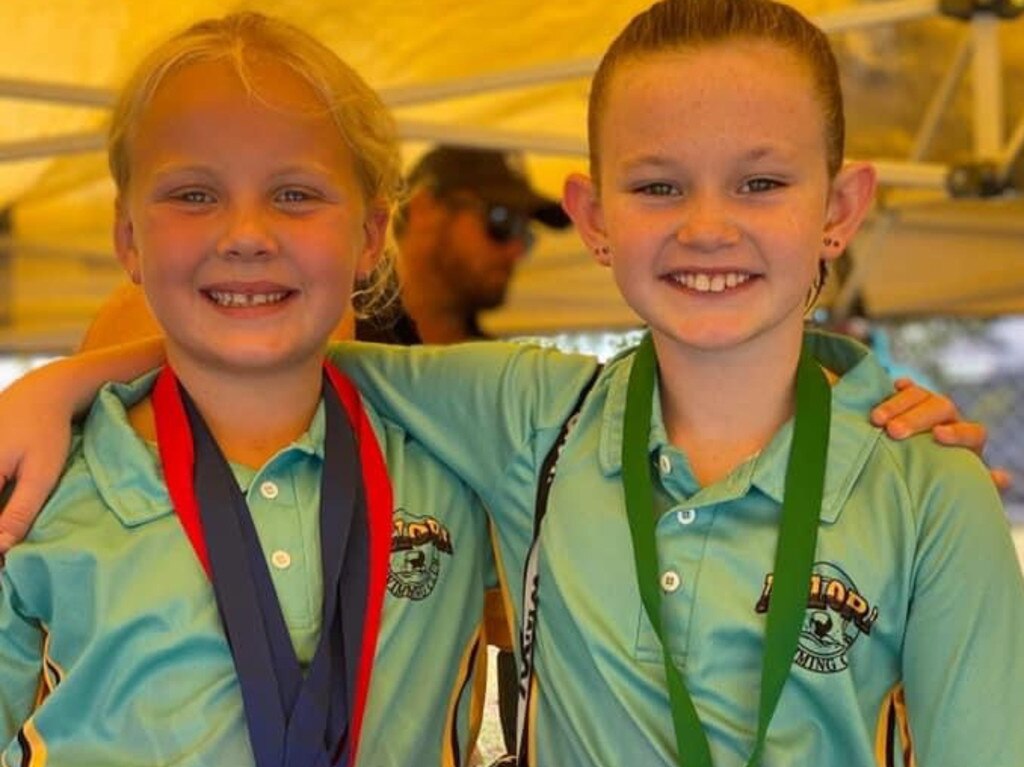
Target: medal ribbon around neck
x: 794, y: 554
x: 293, y: 720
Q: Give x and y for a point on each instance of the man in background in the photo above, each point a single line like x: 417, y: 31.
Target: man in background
x: 465, y: 227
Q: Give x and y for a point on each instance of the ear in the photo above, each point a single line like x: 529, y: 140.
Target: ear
x: 124, y: 242
x: 583, y: 204
x: 375, y: 231
x: 849, y: 201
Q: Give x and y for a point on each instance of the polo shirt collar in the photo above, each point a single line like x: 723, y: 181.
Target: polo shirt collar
x: 127, y: 470
x: 127, y: 475
x: 861, y: 386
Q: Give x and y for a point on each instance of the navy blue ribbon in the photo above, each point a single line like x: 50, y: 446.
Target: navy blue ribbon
x: 294, y: 720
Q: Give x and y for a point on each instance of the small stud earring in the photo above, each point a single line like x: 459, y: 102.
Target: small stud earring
x: 602, y: 250
x: 830, y: 243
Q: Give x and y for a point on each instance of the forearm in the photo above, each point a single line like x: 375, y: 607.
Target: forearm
x: 474, y: 406
x: 35, y: 425
x: 72, y: 383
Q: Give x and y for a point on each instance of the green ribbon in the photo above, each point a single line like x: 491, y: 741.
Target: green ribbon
x: 794, y: 554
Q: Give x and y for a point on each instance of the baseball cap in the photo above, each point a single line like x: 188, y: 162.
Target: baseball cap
x: 496, y: 177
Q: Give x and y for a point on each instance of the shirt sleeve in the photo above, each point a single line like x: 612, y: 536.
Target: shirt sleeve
x: 963, y: 655
x: 21, y: 642
x: 474, y: 406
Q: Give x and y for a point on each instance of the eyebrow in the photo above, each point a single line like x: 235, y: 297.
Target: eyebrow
x: 766, y: 151
x: 169, y: 168
x: 657, y: 161
x: 654, y: 160
x: 315, y: 168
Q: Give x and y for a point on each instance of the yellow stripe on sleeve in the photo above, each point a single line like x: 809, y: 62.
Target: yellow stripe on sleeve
x: 32, y: 745
x: 469, y: 666
x: 893, y: 743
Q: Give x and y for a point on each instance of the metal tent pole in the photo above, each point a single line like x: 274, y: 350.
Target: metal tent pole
x: 941, y: 100
x: 988, y: 87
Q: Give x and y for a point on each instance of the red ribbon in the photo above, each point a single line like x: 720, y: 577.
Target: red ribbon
x: 174, y: 441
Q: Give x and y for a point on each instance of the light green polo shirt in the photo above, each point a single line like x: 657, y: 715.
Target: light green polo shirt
x: 108, y: 600
x: 915, y: 622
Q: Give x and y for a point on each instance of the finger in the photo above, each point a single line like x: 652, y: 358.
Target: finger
x: 913, y: 410
x: 906, y: 396
x: 898, y: 403
x: 30, y: 493
x: 15, y: 521
x: 963, y: 434
x: 1002, y: 478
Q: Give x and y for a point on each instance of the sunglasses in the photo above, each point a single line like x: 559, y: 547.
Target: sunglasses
x: 501, y: 223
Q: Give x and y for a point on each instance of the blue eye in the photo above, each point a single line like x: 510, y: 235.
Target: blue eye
x: 294, y: 195
x: 760, y: 185
x: 194, y: 196
x: 657, y: 189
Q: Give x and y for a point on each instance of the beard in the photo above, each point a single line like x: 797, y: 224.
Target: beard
x: 487, y: 291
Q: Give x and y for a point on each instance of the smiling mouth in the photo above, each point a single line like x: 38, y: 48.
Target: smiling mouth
x: 231, y: 299
x: 707, y: 282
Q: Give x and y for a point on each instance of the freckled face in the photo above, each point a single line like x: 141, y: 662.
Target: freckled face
x: 243, y: 218
x: 714, y: 191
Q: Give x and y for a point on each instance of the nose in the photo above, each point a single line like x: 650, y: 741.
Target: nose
x: 247, y: 232
x: 707, y: 222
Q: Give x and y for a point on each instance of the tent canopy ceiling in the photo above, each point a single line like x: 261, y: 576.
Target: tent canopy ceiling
x: 923, y: 93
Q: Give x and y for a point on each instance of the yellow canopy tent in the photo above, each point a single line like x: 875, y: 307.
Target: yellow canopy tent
x: 930, y: 96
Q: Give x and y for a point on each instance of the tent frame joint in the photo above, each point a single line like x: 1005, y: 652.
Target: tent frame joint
x: 965, y: 10
x: 977, y: 180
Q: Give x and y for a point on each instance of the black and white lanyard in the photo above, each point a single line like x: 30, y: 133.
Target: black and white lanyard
x: 528, y: 625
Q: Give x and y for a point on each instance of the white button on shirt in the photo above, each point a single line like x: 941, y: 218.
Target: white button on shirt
x: 670, y: 581
x: 665, y: 464
x: 686, y: 516
x: 268, y: 490
x: 281, y: 559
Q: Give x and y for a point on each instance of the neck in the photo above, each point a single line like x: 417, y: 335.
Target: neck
x: 441, y: 327
x: 711, y: 410
x: 251, y: 415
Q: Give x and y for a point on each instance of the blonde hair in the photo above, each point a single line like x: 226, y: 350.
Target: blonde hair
x: 674, y: 24
x: 240, y: 39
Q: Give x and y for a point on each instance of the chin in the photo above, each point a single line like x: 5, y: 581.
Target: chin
x: 705, y: 337
x: 256, y: 359
x: 485, y: 303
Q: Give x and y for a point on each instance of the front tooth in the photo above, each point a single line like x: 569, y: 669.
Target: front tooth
x: 246, y: 299
x: 702, y: 283
x: 717, y: 283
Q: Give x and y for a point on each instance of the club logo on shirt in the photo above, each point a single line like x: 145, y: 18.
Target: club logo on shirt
x: 417, y: 544
x: 837, y: 614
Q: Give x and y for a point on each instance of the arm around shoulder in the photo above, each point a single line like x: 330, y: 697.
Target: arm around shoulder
x: 36, y: 413
x: 473, y: 405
